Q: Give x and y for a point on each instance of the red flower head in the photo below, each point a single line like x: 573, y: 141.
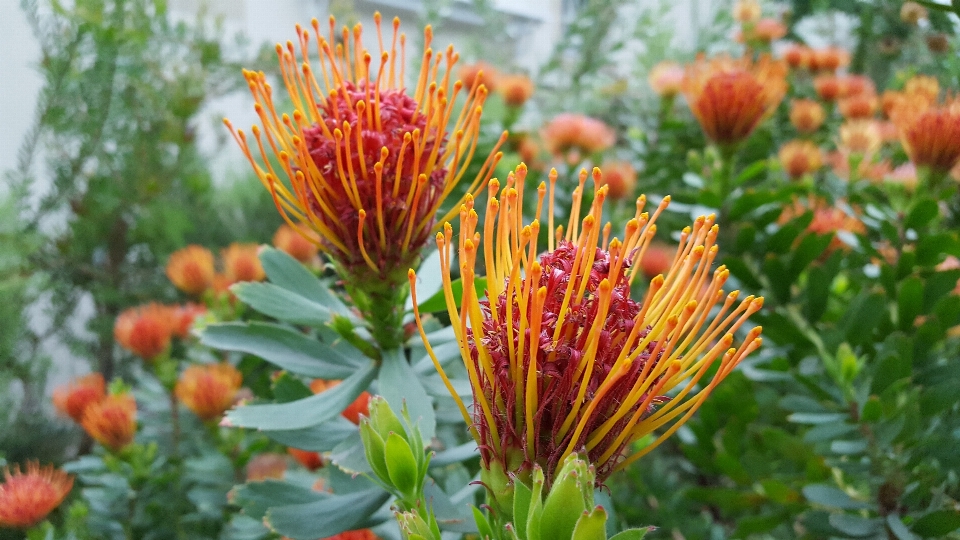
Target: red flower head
x: 930, y: 134
x: 797, y: 56
x: 799, y: 158
x: 183, y: 317
x: 145, y: 330
x: 241, y: 262
x: 515, y: 89
x: 666, y: 79
x: 73, y: 398
x: 827, y: 219
x: 560, y: 358
x: 477, y: 73
x: 765, y: 31
x: 860, y: 106
x: 209, y: 389
x: 27, y: 497
x: 828, y: 87
x: 730, y: 97
x: 806, y: 115
x: 746, y: 11
x: 368, y: 164
x: 191, y: 269
x: 113, y: 421
x: 572, y: 133
x: 300, y: 243
x: 829, y: 60
x: 620, y: 178
x: 310, y: 460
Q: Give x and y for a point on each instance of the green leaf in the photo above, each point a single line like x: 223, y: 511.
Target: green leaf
x: 855, y: 525
x: 429, y: 279
x: 592, y: 526
x: 374, y: 450
x: 275, y: 301
x: 632, y: 534
x: 831, y: 497
x: 402, y: 465
x: 333, y: 515
x: 828, y: 432
x: 438, y: 301
x: 399, y: 384
x: 350, y: 455
x: 521, y: 506
x: 306, y: 412
x: 922, y: 213
x: 287, y: 388
x: 257, y: 497
x: 898, y: 528
x: 563, y: 506
x: 536, y: 504
x: 816, y: 418
x: 457, y: 454
x: 937, y: 524
x: 287, y: 272
x: 909, y: 302
x: 286, y: 348
x: 483, y: 526
x: 319, y: 438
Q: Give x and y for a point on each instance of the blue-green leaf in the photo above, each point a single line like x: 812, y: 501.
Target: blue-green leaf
x: 438, y: 302
x: 327, y: 517
x: 831, y: 497
x: 286, y: 348
x: 306, y: 412
x: 319, y: 438
x: 280, y: 303
x: 399, y: 384
x: 287, y: 272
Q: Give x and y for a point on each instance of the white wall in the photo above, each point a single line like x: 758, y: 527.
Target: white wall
x: 19, y: 81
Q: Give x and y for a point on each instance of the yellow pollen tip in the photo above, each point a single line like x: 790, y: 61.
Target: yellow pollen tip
x: 411, y: 274
x: 657, y: 280
x: 758, y: 302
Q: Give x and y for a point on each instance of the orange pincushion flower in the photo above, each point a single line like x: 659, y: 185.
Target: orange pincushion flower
x: 573, y: 132
x: 209, y: 389
x: 862, y: 105
x: 191, y: 269
x: 242, y: 263
x: 477, y: 73
x: 145, y: 330
x: 656, y: 260
x: 73, y: 398
x: 589, y: 370
x: 361, y: 405
x: 827, y: 219
x: 746, y: 11
x: 730, y: 97
x: 666, y: 79
x: 856, y: 85
x: 369, y: 165
x: 861, y: 137
x: 930, y: 134
x: 806, y: 115
x: 113, y: 421
x: 620, y: 178
x: 183, y: 317
x: 266, y: 466
x: 828, y: 87
x: 765, y: 30
x: 922, y: 87
x: 26, y: 498
x: 829, y: 59
x: 297, y: 243
x: 800, y: 158
x: 310, y: 460
x: 797, y: 56
x: 515, y: 89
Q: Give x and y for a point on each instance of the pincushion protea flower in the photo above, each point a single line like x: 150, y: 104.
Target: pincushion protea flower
x: 730, y: 97
x: 209, y: 389
x: 73, y: 398
x: 191, y: 269
x: 294, y: 242
x: 145, y: 330
x: 241, y: 262
x: 806, y: 115
x: 368, y: 164
x: 27, y: 497
x: 800, y: 157
x: 666, y: 79
x: 560, y: 358
x: 113, y: 421
x: 930, y: 134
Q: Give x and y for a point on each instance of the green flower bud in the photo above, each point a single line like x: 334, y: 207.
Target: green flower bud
x: 402, y: 467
